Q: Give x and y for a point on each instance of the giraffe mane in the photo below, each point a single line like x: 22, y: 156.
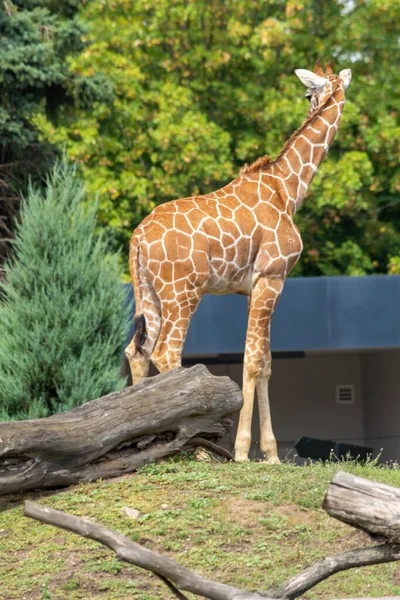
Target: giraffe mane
x: 266, y: 161
x: 257, y: 165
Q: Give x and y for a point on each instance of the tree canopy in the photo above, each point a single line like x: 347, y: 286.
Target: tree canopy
x: 202, y: 87
x: 38, y: 39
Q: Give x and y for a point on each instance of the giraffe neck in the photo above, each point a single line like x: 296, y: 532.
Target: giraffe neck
x: 301, y: 156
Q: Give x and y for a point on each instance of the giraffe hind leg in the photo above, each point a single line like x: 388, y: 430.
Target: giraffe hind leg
x: 175, y: 320
x: 139, y: 363
x: 167, y: 353
x: 147, y: 328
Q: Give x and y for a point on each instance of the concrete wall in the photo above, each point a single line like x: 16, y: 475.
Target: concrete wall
x: 381, y: 397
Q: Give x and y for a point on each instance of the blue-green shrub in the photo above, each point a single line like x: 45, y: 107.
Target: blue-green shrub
x: 63, y: 315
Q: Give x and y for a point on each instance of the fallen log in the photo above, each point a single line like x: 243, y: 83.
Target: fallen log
x: 369, y: 506
x: 177, y: 577
x: 119, y: 432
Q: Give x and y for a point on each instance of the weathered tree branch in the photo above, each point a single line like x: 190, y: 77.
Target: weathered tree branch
x: 367, y: 505
x: 299, y: 584
x: 118, y: 433
x: 138, y: 555
x: 198, y: 441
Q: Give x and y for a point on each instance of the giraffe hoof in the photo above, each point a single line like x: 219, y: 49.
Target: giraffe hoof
x: 271, y: 460
x: 239, y: 457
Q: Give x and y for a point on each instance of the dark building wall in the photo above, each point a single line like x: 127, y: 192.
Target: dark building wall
x: 303, y: 400
x: 314, y: 313
x: 346, y: 326
x: 381, y: 395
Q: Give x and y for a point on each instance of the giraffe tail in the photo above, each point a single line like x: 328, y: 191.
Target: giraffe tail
x: 140, y: 333
x: 139, y: 320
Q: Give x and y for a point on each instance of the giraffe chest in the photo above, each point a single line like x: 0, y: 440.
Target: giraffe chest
x: 271, y: 248
x: 280, y: 250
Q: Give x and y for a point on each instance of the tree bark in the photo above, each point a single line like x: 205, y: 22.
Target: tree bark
x: 119, y: 432
x: 367, y: 505
x: 321, y: 570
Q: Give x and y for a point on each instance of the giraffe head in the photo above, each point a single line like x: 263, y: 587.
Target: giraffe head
x: 320, y: 86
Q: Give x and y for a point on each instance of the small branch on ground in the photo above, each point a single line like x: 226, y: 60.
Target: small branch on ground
x: 173, y: 589
x: 198, y: 441
x: 137, y: 555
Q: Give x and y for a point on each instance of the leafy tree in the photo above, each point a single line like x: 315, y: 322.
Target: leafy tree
x: 201, y: 87
x: 63, y: 318
x: 37, y: 38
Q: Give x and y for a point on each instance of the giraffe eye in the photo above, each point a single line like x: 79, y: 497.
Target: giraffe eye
x: 308, y: 97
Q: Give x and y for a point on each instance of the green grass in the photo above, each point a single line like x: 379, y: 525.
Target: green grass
x: 249, y: 525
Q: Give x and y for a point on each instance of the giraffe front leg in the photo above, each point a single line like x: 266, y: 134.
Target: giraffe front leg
x: 257, y: 370
x: 243, y: 436
x: 267, y: 438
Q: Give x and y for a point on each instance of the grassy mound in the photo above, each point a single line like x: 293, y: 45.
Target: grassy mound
x: 249, y: 525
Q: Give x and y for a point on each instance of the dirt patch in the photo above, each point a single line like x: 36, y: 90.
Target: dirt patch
x: 296, y: 516
x: 243, y: 512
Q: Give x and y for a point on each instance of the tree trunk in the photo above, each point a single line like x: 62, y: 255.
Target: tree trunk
x: 367, y: 505
x: 119, y: 432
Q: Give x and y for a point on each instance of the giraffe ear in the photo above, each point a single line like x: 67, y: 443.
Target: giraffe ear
x: 346, y: 76
x: 310, y: 79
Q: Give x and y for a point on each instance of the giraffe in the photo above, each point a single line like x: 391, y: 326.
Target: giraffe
x: 240, y: 239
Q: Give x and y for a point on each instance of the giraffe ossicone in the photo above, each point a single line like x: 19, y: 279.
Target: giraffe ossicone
x: 240, y: 239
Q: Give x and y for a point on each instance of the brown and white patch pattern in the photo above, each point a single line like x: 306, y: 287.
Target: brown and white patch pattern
x: 239, y: 239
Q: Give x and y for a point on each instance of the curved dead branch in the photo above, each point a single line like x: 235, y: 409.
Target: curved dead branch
x: 299, y: 584
x: 136, y: 554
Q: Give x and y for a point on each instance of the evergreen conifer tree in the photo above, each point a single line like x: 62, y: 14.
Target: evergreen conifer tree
x: 64, y: 315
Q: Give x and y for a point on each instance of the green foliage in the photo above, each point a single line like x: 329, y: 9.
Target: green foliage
x: 35, y: 73
x: 63, y: 318
x: 37, y: 38
x: 201, y: 87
